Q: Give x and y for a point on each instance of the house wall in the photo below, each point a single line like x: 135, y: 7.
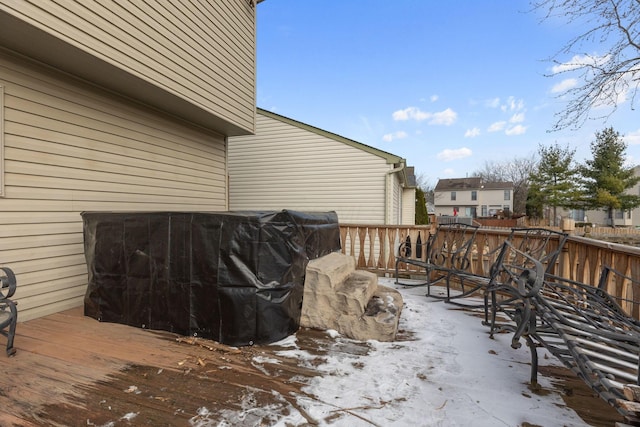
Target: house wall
x: 286, y: 167
x: 601, y: 217
x: 395, y: 214
x: 408, y: 206
x: 494, y: 198
x: 202, y: 53
x: 70, y: 147
x: 444, y: 205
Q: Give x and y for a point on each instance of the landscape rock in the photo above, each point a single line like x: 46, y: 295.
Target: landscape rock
x: 350, y: 301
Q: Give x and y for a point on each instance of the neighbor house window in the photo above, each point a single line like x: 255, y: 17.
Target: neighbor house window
x: 1, y: 141
x: 474, y: 195
x: 507, y: 195
x: 453, y: 195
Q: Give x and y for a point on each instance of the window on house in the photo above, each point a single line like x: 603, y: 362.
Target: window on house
x: 474, y: 195
x: 618, y: 214
x: 1, y: 141
x: 453, y: 195
x: 507, y: 195
x: 485, y: 212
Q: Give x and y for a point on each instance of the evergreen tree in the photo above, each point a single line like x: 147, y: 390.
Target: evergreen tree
x: 421, y: 208
x: 555, y: 180
x: 605, y: 178
x: 535, y: 203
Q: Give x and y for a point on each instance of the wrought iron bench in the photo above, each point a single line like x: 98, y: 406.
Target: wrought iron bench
x: 524, y: 251
x: 448, y: 259
x: 445, y: 253
x: 518, y: 252
x: 8, y: 309
x: 582, y: 325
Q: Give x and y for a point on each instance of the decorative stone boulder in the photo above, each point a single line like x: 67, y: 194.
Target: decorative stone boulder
x: 350, y: 301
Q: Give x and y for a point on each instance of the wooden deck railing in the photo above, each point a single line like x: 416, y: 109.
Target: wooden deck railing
x: 375, y: 247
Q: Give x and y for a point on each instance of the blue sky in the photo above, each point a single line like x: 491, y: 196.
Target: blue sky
x: 448, y: 85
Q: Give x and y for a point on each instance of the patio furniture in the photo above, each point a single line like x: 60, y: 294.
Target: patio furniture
x: 448, y: 257
x: 447, y: 253
x: 525, y: 250
x: 582, y: 325
x: 8, y: 309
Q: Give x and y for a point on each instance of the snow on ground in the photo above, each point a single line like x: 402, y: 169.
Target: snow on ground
x: 450, y: 374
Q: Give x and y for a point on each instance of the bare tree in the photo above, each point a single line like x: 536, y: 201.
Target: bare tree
x: 608, y: 79
x: 424, y: 197
x: 516, y: 171
x: 425, y: 184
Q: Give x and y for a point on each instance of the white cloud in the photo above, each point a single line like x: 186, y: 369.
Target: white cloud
x: 517, y: 118
x: 448, y: 172
x: 497, y: 126
x: 564, y: 85
x: 448, y: 155
x: 472, y: 133
x: 579, y: 61
x: 512, y: 104
x: 493, y: 103
x: 632, y: 138
x: 610, y: 94
x: 434, y: 98
x: 410, y: 113
x: 516, y: 130
x: 445, y: 117
x: 395, y: 135
x: 614, y: 93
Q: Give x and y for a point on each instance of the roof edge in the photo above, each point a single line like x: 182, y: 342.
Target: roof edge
x: 389, y: 157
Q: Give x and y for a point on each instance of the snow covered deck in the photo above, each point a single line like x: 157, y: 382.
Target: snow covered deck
x: 71, y: 370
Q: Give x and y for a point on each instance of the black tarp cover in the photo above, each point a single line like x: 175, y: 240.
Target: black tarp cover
x: 234, y: 277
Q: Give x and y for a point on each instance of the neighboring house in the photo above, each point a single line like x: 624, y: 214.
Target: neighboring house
x: 621, y: 218
x: 471, y: 197
x: 109, y: 106
x: 291, y: 165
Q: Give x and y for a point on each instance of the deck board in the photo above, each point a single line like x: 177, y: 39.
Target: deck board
x: 73, y: 370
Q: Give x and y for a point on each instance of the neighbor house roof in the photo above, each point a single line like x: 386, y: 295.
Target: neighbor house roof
x: 458, y: 184
x: 497, y: 185
x: 473, y: 183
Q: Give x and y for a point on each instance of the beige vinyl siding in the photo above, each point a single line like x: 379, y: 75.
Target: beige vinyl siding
x: 286, y: 167
x: 71, y: 148
x: 397, y: 200
x: 408, y: 206
x: 1, y: 141
x: 200, y: 51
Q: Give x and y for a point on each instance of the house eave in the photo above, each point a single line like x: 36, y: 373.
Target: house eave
x: 26, y: 40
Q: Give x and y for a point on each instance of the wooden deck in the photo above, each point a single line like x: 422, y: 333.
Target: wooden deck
x: 72, y: 370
